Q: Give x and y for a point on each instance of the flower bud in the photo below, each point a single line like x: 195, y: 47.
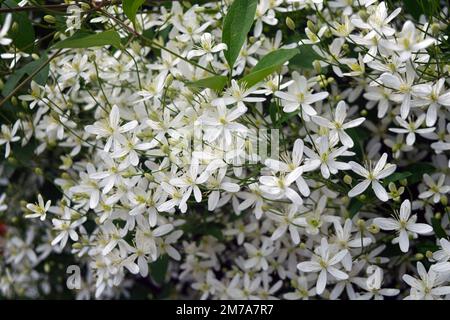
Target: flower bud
x: 311, y: 26
x: 317, y: 66
x: 49, y: 19
x: 15, y: 27
x: 438, y: 216
x: 419, y: 256
x: 14, y: 101
x: 347, y: 179
x: 290, y: 23
x: 77, y: 246
x: 429, y: 254
x: 38, y: 171
x: 444, y: 200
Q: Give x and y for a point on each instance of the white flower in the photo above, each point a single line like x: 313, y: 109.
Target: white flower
x: 402, y: 224
x: 222, y: 123
x: 407, y: 42
x: 9, y: 135
x: 111, y: 129
x: 4, y: 31
x: 280, y: 186
x: 373, y: 286
x: 238, y: 93
x: 337, y: 124
x: 372, y: 176
x: 432, y: 95
x: 207, y: 47
x: 378, y: 21
x: 258, y: 256
x: 435, y: 189
x: 411, y: 128
x: 40, y: 209
x: 299, y: 95
x: 189, y: 182
x: 290, y: 164
x: 324, y: 262
x: 326, y: 158
x: 428, y: 287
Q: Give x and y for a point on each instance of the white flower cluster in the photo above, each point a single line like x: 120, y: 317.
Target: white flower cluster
x: 152, y: 170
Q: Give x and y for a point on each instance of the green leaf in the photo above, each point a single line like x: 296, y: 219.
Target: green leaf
x: 40, y: 78
x: 438, y: 230
x: 354, y: 207
x: 396, y: 176
x: 158, y: 269
x: 418, y: 170
x: 215, y: 82
x: 236, y: 26
x: 87, y: 40
x: 305, y: 59
x: 285, y: 117
x: 22, y: 37
x: 267, y: 65
x: 130, y: 8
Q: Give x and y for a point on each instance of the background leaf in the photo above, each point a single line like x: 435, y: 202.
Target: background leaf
x: 22, y: 37
x: 215, y: 82
x: 236, y: 26
x: 130, y: 8
x: 268, y: 64
x: 87, y: 40
x: 40, y: 77
x: 305, y: 59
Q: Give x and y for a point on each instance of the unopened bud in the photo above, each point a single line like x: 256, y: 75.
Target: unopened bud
x: 49, y: 19
x: 429, y: 254
x: 438, y: 216
x: 347, y: 179
x: 362, y: 197
x: 38, y: 171
x: 15, y: 27
x: 169, y: 80
x: 290, y: 23
x: 35, y: 56
x: 444, y: 200
x: 404, y: 182
x: 311, y: 26
x: 85, y: 6
x: 317, y: 66
x: 419, y: 256
x: 14, y: 101
x: 361, y: 224
x: 77, y: 246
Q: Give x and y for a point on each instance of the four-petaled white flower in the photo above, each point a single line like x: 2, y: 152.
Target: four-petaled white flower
x: 402, y: 224
x: 40, y: 208
x: 324, y: 261
x: 372, y: 176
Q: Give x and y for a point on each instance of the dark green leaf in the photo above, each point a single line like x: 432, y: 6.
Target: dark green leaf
x: 40, y: 77
x: 236, y: 26
x: 418, y: 170
x: 130, y: 8
x: 158, y: 269
x: 267, y: 65
x: 304, y: 60
x: 396, y: 177
x: 438, y: 230
x: 215, y: 82
x: 23, y: 36
x: 87, y: 40
x: 354, y: 207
